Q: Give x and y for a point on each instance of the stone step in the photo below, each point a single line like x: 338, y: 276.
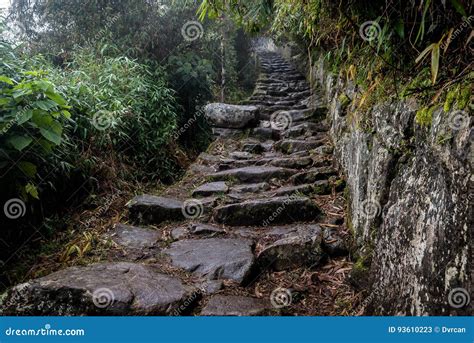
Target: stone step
x: 214, y: 258
x: 135, y: 237
x: 292, y: 190
x: 251, y: 188
x: 314, y: 175
x: 292, y: 163
x: 114, y: 289
x: 150, y: 209
x: 290, y: 146
x: 301, y: 248
x: 210, y: 189
x: 265, y: 133
x: 241, y: 155
x: 306, y: 128
x: 264, y: 212
x: 253, y: 174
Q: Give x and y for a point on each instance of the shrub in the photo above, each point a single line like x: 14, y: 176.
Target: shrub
x: 121, y: 104
x: 32, y: 117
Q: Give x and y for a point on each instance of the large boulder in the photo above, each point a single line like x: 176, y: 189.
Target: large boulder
x: 231, y: 116
x: 100, y: 289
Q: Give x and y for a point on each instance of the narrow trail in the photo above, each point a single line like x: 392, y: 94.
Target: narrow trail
x: 256, y: 227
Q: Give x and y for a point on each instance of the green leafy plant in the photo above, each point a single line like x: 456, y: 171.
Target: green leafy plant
x: 32, y: 116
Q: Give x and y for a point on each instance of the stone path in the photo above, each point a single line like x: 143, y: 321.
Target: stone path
x: 238, y: 235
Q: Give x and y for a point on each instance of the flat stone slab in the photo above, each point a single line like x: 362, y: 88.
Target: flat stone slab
x: 251, y: 188
x: 265, y: 133
x: 313, y: 175
x: 301, y: 129
x: 214, y: 258
x: 290, y: 190
x: 253, y: 174
x: 292, y: 163
x: 100, y: 289
x: 203, y: 229
x: 154, y: 209
x: 135, y: 237
x: 210, y: 189
x: 290, y: 146
x: 241, y: 155
x: 233, y: 305
x: 264, y: 212
x: 227, y: 133
x: 149, y: 209
x: 299, y: 248
x: 231, y: 116
x: 254, y: 148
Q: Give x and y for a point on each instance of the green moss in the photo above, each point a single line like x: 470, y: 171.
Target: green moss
x: 360, y: 267
x: 340, y: 185
x: 441, y: 139
x: 424, y: 115
x: 344, y: 101
x: 448, y: 103
x: 464, y: 97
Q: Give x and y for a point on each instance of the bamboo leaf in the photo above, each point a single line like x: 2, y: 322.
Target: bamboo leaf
x: 400, y: 28
x: 434, y: 63
x: 424, y: 53
x: 5, y: 79
x: 458, y: 7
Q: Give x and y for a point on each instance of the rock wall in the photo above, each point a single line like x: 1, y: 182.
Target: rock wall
x: 410, y: 199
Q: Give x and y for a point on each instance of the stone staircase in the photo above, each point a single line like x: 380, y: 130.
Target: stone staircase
x: 256, y: 216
